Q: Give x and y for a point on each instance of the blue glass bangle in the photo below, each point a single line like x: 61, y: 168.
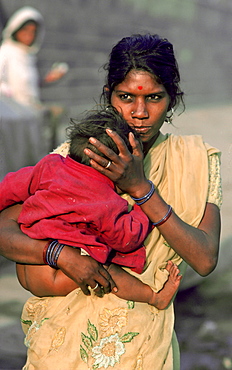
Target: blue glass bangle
x: 146, y: 197
x: 164, y: 219
x: 52, y: 252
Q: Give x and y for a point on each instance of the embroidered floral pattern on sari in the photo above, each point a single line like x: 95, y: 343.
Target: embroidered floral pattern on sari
x: 130, y: 304
x: 58, y: 339
x: 34, y: 327
x: 108, y: 349
x: 36, y: 310
x: 112, y: 321
x: 35, y: 313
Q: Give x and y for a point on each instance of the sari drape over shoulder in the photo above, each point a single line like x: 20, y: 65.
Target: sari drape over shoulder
x: 79, y: 332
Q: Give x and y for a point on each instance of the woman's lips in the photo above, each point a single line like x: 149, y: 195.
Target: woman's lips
x: 142, y: 130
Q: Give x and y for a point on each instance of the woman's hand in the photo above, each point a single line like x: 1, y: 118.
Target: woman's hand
x: 125, y: 169
x: 85, y: 271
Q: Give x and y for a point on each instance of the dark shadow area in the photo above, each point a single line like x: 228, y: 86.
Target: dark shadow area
x: 203, y: 329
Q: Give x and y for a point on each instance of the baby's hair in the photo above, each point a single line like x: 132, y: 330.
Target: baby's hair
x: 94, y: 124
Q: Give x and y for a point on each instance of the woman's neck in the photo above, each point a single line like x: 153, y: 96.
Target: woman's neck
x: 148, y: 144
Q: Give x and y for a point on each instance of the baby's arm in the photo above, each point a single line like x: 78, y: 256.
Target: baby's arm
x: 43, y: 280
x: 131, y: 288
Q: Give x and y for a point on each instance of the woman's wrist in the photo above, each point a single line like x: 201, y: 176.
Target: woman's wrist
x: 66, y: 255
x: 147, y: 196
x: 52, y: 252
x: 140, y: 190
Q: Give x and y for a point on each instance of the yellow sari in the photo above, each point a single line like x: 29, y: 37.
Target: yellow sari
x: 78, y: 332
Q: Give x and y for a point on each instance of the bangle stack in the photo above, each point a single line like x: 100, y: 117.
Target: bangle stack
x: 51, y: 253
x: 164, y: 219
x: 146, y: 197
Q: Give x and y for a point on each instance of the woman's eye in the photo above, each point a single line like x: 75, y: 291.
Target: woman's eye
x: 125, y: 97
x: 154, y: 97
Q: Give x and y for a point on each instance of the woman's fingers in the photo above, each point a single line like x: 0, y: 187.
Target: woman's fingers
x: 105, y: 281
x: 85, y: 271
x: 103, y: 284
x: 124, y: 168
x: 136, y: 146
x: 123, y: 149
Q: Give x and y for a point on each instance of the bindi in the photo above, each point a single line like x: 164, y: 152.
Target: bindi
x: 140, y: 87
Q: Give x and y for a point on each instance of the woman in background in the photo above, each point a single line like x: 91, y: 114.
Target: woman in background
x: 19, y: 76
x: 21, y: 40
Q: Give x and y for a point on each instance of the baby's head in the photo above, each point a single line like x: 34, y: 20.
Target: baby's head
x: 94, y: 124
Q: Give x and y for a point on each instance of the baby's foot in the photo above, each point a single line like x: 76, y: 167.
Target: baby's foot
x: 163, y: 298
x: 174, y: 277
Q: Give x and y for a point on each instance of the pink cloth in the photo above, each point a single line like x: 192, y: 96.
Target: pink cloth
x: 78, y: 206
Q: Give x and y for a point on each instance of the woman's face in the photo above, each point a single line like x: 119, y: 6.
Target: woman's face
x: 26, y: 35
x: 142, y: 102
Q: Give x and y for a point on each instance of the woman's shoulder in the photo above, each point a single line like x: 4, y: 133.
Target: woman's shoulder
x: 195, y: 139
x: 192, y: 142
x: 172, y: 138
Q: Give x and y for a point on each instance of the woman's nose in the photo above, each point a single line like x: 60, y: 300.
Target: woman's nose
x: 139, y: 110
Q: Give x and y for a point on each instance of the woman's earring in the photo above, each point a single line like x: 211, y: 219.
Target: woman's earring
x: 169, y: 118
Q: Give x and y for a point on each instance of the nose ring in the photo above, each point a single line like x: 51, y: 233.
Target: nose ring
x: 132, y: 112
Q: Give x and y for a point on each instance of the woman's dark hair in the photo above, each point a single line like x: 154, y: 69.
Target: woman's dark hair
x: 149, y: 53
x: 94, y: 124
x: 29, y: 21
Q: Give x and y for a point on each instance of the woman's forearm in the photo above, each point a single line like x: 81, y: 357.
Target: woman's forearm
x: 18, y: 247
x: 15, y: 245
x: 199, y: 247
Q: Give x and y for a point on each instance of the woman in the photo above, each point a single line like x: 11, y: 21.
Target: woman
x: 81, y: 332
x: 21, y: 40
x: 19, y: 76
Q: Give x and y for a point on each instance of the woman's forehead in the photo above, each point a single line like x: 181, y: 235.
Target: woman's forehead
x: 139, y: 80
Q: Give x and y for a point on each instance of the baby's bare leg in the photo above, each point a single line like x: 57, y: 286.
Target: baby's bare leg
x: 129, y: 287
x: 42, y: 280
x: 162, y: 299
